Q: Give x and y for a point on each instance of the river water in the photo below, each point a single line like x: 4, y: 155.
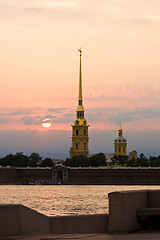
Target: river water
x: 63, y: 199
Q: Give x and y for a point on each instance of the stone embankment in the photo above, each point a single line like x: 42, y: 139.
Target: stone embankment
x: 17, y: 220
x: 128, y: 211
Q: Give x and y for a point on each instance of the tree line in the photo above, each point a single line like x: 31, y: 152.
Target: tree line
x: 21, y: 160
x: 84, y: 161
x: 123, y: 161
x: 141, y: 161
x: 35, y: 160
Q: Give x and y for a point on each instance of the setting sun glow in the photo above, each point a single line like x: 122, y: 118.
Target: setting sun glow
x: 46, y: 123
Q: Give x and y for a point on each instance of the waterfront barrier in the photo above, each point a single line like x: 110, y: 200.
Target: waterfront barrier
x: 18, y: 220
x: 125, y: 210
x: 128, y: 211
x: 80, y: 224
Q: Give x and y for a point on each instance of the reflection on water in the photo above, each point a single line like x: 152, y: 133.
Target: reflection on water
x: 63, y: 199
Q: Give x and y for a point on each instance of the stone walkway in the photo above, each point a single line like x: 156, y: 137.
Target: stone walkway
x: 127, y: 236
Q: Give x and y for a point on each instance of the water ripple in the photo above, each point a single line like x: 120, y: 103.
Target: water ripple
x: 63, y: 199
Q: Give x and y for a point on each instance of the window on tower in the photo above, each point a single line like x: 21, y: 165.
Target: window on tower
x: 85, y: 145
x: 80, y: 102
x: 84, y: 132
x: 119, y: 149
x: 123, y: 149
x: 76, y: 145
x: 77, y: 132
x: 77, y: 122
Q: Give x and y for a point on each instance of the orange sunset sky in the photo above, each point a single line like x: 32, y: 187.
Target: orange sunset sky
x: 39, y: 64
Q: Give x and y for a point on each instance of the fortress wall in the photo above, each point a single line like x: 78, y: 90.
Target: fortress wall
x: 114, y: 176
x: 34, y: 174
x: 10, y: 175
x: 13, y: 175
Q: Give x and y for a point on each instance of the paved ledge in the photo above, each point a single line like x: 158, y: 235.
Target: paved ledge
x: 148, y: 212
x: 128, y: 236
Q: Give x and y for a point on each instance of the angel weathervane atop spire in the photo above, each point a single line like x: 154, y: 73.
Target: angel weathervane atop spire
x: 80, y: 50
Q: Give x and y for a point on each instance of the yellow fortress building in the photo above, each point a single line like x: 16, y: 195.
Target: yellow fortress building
x: 80, y: 127
x: 120, y: 144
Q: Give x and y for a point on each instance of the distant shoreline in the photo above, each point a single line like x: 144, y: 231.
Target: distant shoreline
x: 80, y: 176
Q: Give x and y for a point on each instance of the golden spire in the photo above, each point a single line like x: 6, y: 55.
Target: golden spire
x: 80, y: 105
x: 80, y: 80
x: 120, y: 131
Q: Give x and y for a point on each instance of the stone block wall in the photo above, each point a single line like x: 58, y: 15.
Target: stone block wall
x: 9, y: 220
x: 18, y: 220
x: 122, y: 210
x: 80, y: 224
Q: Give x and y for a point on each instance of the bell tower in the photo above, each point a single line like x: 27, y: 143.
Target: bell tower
x: 80, y: 127
x: 120, y: 144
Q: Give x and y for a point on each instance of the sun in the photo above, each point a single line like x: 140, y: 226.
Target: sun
x: 46, y: 123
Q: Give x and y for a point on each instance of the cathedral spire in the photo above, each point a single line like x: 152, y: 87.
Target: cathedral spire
x: 80, y: 108
x: 80, y: 80
x: 120, y: 131
x: 80, y: 127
